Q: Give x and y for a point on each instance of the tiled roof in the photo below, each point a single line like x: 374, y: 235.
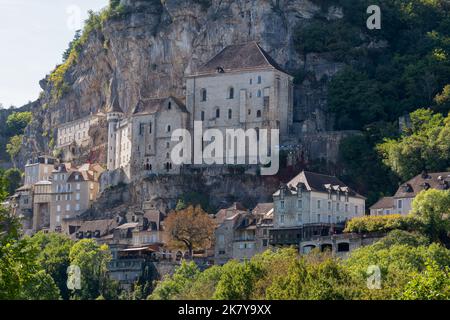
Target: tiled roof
x: 436, y: 180
x: 241, y: 56
x: 154, y: 105
x: 383, y: 203
x: 262, y: 208
x: 319, y: 183
x: 105, y: 226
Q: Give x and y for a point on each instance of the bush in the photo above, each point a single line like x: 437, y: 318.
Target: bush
x: 385, y: 223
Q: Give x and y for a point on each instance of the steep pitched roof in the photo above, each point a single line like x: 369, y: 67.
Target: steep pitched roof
x: 240, y: 56
x: 154, y: 105
x: 318, y: 182
x: 263, y: 208
x: 105, y: 226
x: 383, y: 203
x: 424, y: 181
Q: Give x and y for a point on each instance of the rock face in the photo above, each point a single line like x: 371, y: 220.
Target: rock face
x: 148, y: 50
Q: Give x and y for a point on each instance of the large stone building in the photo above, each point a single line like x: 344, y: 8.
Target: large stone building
x: 73, y: 191
x: 401, y: 202
x: 142, y: 143
x: 77, y: 131
x: 242, y: 87
x: 312, y: 204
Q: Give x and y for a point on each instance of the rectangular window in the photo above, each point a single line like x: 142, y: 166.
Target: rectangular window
x: 329, y: 219
x: 318, y: 204
x: 282, y: 204
x: 58, y: 219
x: 346, y: 207
x: 299, y: 204
x: 399, y: 204
x: 356, y: 209
x: 77, y: 207
x: 78, y: 186
x: 282, y: 218
x: 338, y: 206
x: 68, y: 207
x: 318, y: 218
x: 58, y: 208
x: 77, y: 197
x: 299, y: 218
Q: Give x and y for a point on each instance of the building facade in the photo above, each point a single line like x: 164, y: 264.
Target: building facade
x: 312, y: 204
x: 401, y: 202
x: 73, y: 191
x: 76, y: 132
x: 242, y: 87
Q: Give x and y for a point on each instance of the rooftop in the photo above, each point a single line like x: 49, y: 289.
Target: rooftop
x: 424, y: 181
x: 245, y: 56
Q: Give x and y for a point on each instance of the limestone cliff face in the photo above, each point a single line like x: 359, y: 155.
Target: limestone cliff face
x: 147, y: 52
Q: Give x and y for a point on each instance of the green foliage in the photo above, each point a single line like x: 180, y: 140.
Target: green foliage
x: 53, y: 256
x: 14, y: 146
x: 383, y: 223
x: 432, y: 284
x: 432, y: 208
x: 172, y: 286
x: 363, y: 167
x: 425, y: 146
x: 12, y: 179
x: 17, y: 122
x: 93, y: 259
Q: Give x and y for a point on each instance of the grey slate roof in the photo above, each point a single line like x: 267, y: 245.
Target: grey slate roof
x: 436, y: 180
x: 240, y: 56
x: 154, y: 105
x: 383, y: 203
x: 319, y: 183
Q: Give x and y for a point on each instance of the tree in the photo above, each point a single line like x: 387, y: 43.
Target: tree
x: 432, y: 207
x: 191, y: 228
x: 424, y: 146
x: 13, y: 179
x: 13, y: 147
x: 17, y: 122
x: 93, y: 259
x: 172, y: 286
x: 53, y: 256
x: 431, y: 284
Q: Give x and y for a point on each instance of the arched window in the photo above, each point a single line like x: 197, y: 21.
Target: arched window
x: 230, y: 113
x: 204, y: 94
x: 169, y: 106
x: 258, y: 114
x: 217, y: 113
x: 231, y: 93
x: 169, y: 128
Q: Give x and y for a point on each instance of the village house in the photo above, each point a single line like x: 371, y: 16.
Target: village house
x: 241, y: 234
x: 74, y: 190
x: 401, y: 202
x: 312, y: 205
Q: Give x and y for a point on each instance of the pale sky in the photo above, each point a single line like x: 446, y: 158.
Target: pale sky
x: 33, y: 36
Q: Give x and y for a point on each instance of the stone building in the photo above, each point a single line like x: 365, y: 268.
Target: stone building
x: 39, y: 169
x: 401, y: 202
x: 74, y: 190
x: 142, y: 143
x: 242, y: 87
x: 312, y: 204
x: 76, y: 132
x: 241, y: 234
